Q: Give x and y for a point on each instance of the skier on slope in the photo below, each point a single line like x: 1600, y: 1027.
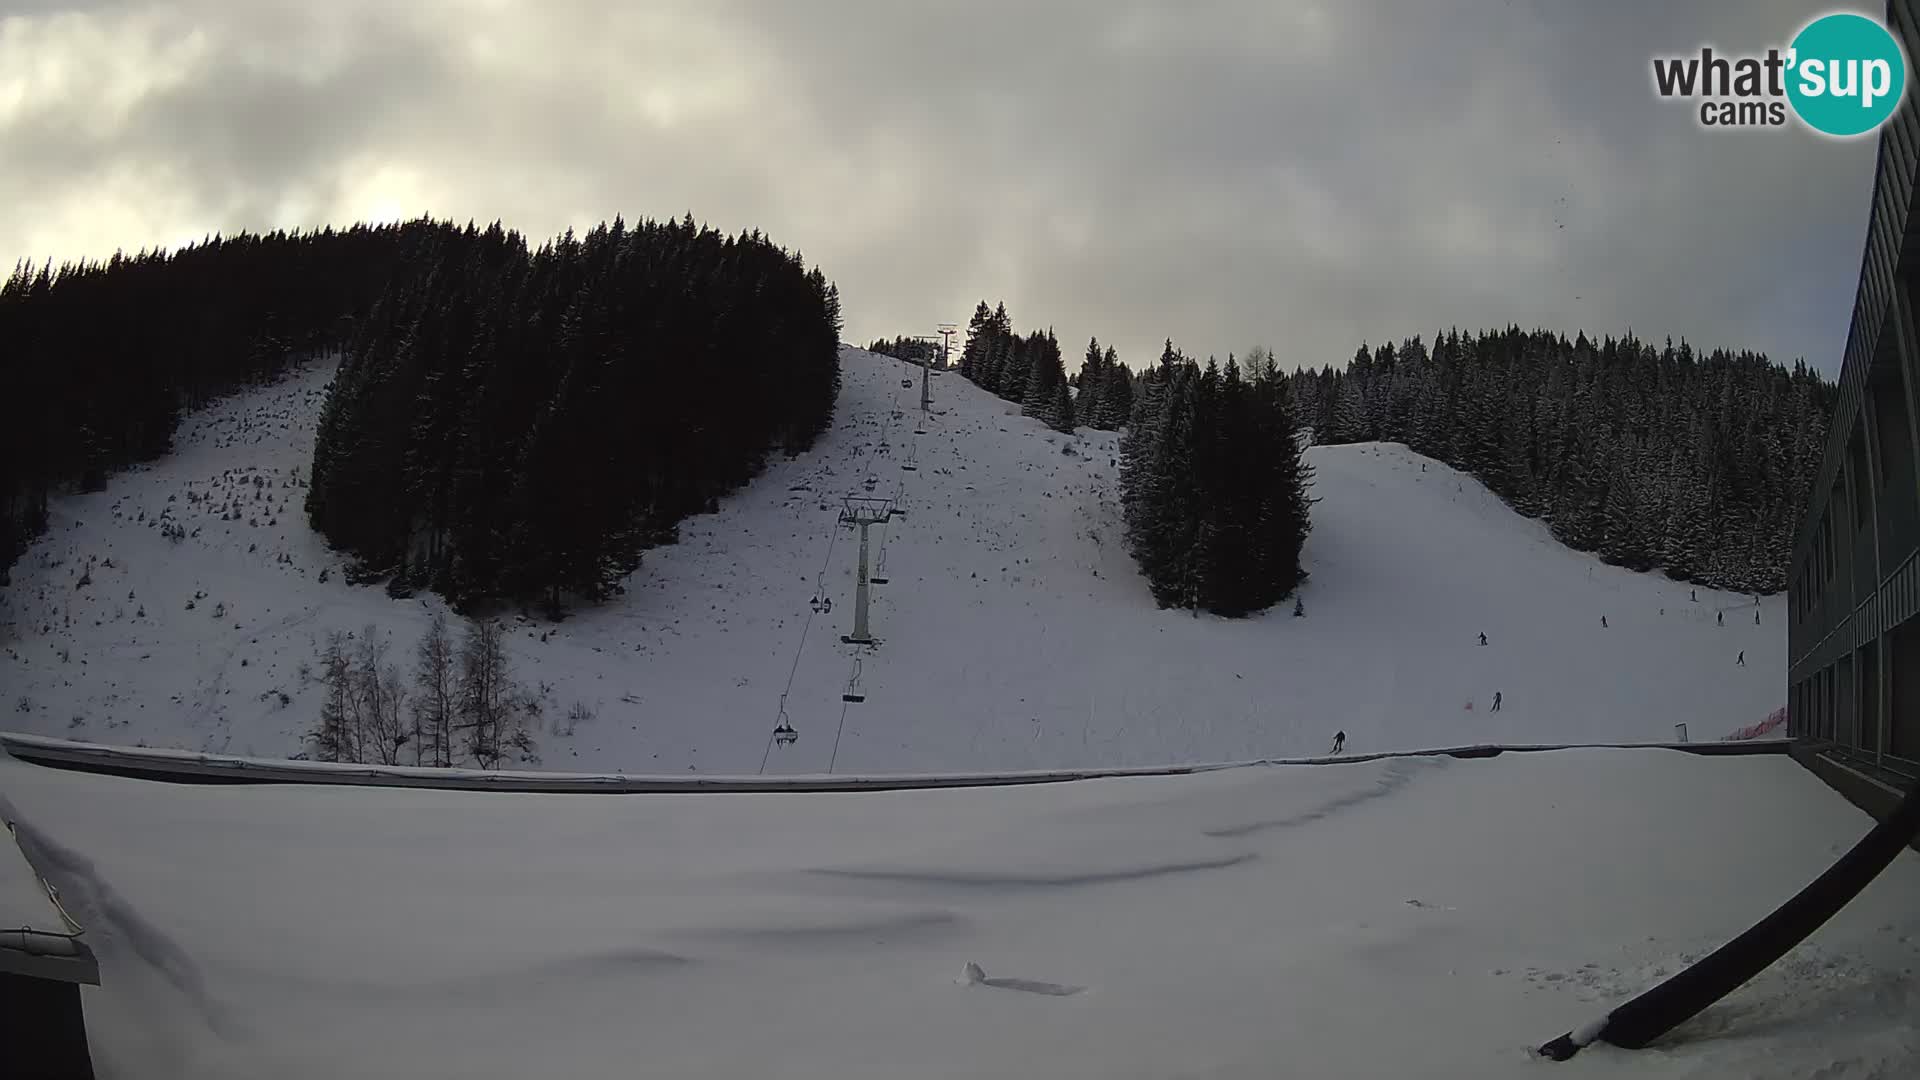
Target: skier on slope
x: 1603, y: 622
x: 1741, y: 660
x: 1496, y: 702
x: 1720, y: 618
x: 1339, y: 741
x: 1483, y: 639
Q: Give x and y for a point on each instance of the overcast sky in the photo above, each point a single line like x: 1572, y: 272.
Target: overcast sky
x: 1222, y: 172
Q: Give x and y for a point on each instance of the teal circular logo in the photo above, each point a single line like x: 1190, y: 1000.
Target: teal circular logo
x: 1846, y: 74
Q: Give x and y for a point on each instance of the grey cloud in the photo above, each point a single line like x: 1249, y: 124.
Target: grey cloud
x: 1222, y: 172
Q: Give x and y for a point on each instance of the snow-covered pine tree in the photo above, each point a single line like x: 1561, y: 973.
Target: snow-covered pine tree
x: 1066, y: 417
x: 1043, y: 370
x: 1092, y: 383
x: 1116, y: 400
x: 978, y: 341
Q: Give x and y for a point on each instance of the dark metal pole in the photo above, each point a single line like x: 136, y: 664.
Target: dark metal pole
x: 1682, y: 997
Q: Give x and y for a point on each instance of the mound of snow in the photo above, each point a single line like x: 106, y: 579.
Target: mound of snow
x: 1015, y: 631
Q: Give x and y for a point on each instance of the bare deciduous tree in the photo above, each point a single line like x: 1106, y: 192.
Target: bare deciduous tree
x: 332, y: 739
x: 435, y: 701
x: 490, y: 712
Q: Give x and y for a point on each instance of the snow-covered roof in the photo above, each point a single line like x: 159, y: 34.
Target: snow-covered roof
x: 1409, y: 916
x: 37, y: 938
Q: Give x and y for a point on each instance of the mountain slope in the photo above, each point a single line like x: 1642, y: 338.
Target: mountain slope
x: 1016, y: 633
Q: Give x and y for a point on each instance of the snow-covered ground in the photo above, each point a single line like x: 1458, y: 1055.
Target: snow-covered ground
x: 1404, y: 917
x: 1017, y: 633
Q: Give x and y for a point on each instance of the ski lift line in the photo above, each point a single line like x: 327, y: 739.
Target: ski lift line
x: 819, y: 588
x: 835, y: 756
x: 767, y: 753
x: 799, y: 649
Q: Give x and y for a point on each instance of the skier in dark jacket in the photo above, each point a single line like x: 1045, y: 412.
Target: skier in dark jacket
x: 1339, y: 741
x: 1496, y: 701
x: 1483, y: 639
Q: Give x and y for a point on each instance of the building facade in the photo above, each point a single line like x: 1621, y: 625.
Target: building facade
x: 1853, y: 638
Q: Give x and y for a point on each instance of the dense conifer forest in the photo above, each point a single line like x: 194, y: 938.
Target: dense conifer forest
x: 99, y: 359
x: 1653, y: 458
x: 525, y: 424
x: 506, y: 422
x: 1030, y: 372
x: 912, y: 350
x: 1212, y: 484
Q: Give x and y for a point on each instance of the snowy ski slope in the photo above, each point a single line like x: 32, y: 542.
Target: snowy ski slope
x: 1416, y: 916
x: 1016, y: 632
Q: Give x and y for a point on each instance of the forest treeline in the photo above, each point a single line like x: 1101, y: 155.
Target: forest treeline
x: 1653, y: 458
x: 525, y: 424
x: 1212, y: 482
x: 506, y: 422
x: 912, y: 350
x: 99, y: 359
x: 1030, y: 372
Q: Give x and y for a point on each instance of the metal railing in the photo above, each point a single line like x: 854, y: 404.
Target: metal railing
x: 179, y: 766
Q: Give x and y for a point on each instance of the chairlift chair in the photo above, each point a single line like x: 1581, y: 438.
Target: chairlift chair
x: 783, y: 732
x: 854, y: 693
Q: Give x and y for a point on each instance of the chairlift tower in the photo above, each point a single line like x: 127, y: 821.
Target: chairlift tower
x: 863, y: 511
x: 947, y: 330
x: 926, y: 366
